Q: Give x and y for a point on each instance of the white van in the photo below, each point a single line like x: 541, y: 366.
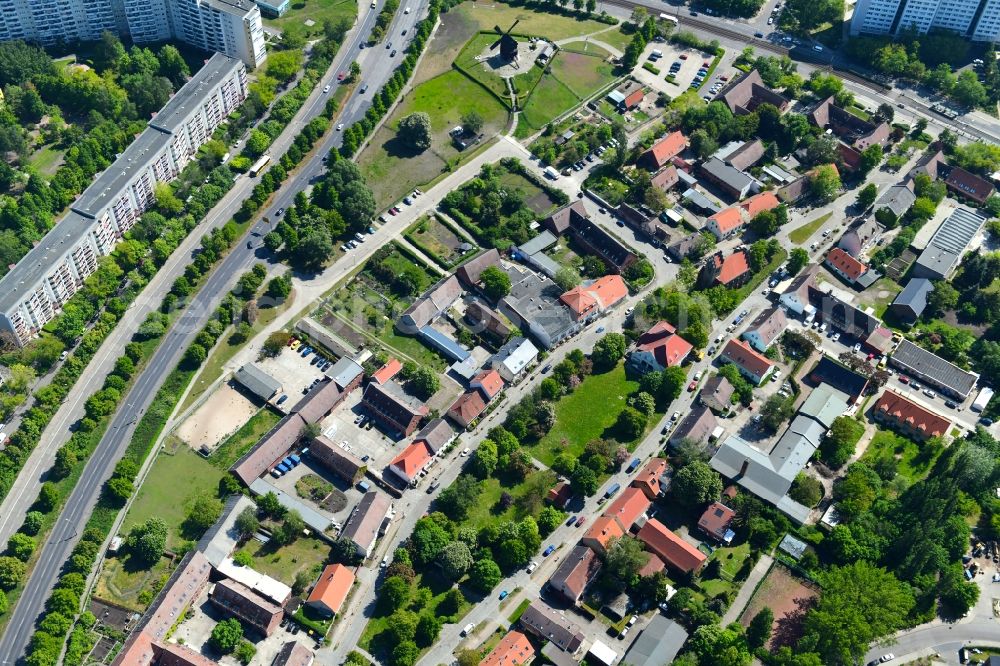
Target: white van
x: 551, y: 173
x: 467, y: 629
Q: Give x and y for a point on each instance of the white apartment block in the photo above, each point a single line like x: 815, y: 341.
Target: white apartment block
x: 977, y: 19
x: 33, y: 292
x: 232, y: 27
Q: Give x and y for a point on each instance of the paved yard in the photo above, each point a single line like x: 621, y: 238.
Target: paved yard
x: 293, y: 372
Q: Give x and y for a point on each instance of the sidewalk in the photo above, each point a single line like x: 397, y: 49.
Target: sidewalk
x: 747, y: 590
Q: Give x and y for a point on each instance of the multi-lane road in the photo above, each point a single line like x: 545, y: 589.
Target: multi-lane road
x: 376, y: 68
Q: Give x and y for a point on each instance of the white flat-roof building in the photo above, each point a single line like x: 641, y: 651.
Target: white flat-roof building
x: 33, y: 292
x: 232, y: 27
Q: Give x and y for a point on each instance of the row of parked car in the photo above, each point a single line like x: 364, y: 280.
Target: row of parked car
x: 287, y: 464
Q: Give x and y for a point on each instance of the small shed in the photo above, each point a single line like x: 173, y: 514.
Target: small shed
x: 258, y: 382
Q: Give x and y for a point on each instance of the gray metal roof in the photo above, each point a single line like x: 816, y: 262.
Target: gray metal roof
x: 932, y: 367
x: 257, y: 381
x: 192, y: 94
x: 25, y: 275
x: 310, y: 516
x: 721, y: 171
x: 221, y: 539
x: 344, y: 372
x: 542, y: 241
x: 825, y: 404
x: 113, y: 180
x: 658, y: 643
x: 914, y: 295
x: 897, y: 198
x: 956, y: 232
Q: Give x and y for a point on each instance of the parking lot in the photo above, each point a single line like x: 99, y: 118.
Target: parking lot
x: 684, y: 65
x: 294, y: 372
x: 360, y: 438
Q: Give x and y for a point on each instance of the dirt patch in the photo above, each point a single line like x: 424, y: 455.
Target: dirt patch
x: 335, y: 502
x: 222, y: 414
x: 455, y: 30
x: 111, y: 615
x: 789, y: 597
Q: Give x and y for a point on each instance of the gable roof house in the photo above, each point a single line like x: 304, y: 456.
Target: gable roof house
x: 239, y: 601
x: 744, y: 94
x: 859, y: 236
x: 514, y: 649
x: 347, y: 374
x: 365, y: 523
x: 392, y: 408
x: 533, y: 254
x: 258, y: 382
x: 484, y: 319
x: 601, y: 532
x: 628, y: 507
x: 469, y: 272
x: 575, y: 573
x: 854, y: 272
x: 338, y: 460
x: 658, y: 643
x: 732, y: 272
x: 590, y: 299
x: 715, y: 522
x: 430, y: 306
x: 672, y: 549
x: 895, y: 201
x: 408, y: 464
x: 751, y: 365
x: 331, y: 590
x: 717, y: 394
x: 626, y: 96
x: 513, y: 358
x: 437, y: 434
x: 933, y: 370
x: 745, y: 155
x: 661, y: 152
x: 595, y: 240
x: 684, y: 247
x: 856, y: 132
x: 839, y: 376
x: 659, y: 348
x: 385, y: 374
x: 467, y: 408
x: 727, y: 222
x: 906, y: 416
x: 533, y: 303
x: 292, y: 653
x: 560, y: 221
x: 962, y: 183
x: 652, y: 479
x: 912, y: 301
x: 758, y: 203
x: 733, y: 182
x: 666, y: 179
x: 765, y: 329
x: 796, y: 296
x: 696, y: 426
x: 487, y: 382
x: 842, y: 315
x: 548, y: 625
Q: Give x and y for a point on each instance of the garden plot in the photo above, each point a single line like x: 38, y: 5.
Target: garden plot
x: 439, y: 241
x: 222, y: 414
x: 789, y: 597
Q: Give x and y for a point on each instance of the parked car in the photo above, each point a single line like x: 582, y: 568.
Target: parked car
x: 532, y: 566
x: 581, y: 520
x: 503, y: 595
x: 548, y: 551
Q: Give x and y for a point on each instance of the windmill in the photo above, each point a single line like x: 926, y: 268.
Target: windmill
x: 507, y: 44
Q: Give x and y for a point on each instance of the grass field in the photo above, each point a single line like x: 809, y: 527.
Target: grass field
x: 802, y: 234
x: 615, y: 37
x: 551, y: 26
x: 583, y: 74
x: 284, y: 562
x: 130, y: 586
x: 240, y: 441
x: 46, y: 160
x: 174, y: 481
x: 486, y: 511
x: 467, y: 62
x: 880, y: 295
x: 574, y: 78
x: 437, y: 240
x: 913, y: 460
x: 293, y: 22
x: 585, y: 414
x: 550, y: 99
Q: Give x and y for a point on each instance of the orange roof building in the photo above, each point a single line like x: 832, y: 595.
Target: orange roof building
x: 334, y: 584
x: 387, y: 371
x: 663, y: 151
x: 658, y: 348
x: 755, y: 367
x: 758, y: 203
x: 649, y: 480
x: 514, y: 649
x: 411, y: 460
x: 673, y: 550
x: 591, y: 298
x: 488, y: 382
x: 726, y: 222
x: 733, y: 268
x: 908, y: 417
x: 845, y: 265
x: 467, y: 408
x: 628, y: 508
x: 601, y: 532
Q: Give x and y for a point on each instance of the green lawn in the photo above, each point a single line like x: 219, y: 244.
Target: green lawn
x: 174, y: 481
x: 293, y: 22
x: 468, y: 62
x: 550, y: 99
x: 583, y: 74
x: 240, y: 441
x: 486, y: 511
x: 551, y: 26
x: 914, y: 460
x: 130, y: 586
x: 802, y: 234
x: 615, y: 37
x: 585, y: 414
x: 46, y: 160
x: 732, y: 559
x: 284, y: 562
x: 446, y: 98
x: 880, y: 295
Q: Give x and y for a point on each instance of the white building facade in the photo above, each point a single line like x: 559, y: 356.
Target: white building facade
x: 977, y: 19
x: 232, y: 27
x: 33, y: 292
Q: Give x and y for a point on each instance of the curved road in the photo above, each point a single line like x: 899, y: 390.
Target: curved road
x: 376, y: 69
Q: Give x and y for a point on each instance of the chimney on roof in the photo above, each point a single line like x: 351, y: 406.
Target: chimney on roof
x: 744, y: 467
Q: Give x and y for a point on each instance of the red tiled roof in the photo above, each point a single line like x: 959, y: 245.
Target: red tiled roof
x: 846, y: 264
x: 332, y: 588
x: 468, y: 407
x: 602, y: 531
x: 648, y: 480
x: 579, y: 301
x: 760, y: 202
x: 513, y: 649
x: 666, y: 148
x: 740, y: 353
x: 664, y: 344
x: 609, y: 289
x: 489, y: 381
x: 728, y: 219
x: 734, y: 266
x: 631, y: 504
x: 716, y: 519
x: 634, y: 99
x: 653, y: 565
x: 387, y: 371
x: 674, y: 550
x: 908, y: 413
x: 413, y: 458
x: 666, y: 178
x: 969, y: 184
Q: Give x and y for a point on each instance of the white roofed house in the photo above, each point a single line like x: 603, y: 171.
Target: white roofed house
x: 513, y: 358
x: 766, y: 328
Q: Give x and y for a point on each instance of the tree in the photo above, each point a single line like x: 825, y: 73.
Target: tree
x: 283, y: 65
x: 584, y: 481
x: 456, y: 500
x: 314, y: 249
x: 202, y: 514
x: 623, y: 560
x: 968, y: 90
x: 429, y: 537
x: 428, y: 628
x: 631, y: 423
x: 943, y: 297
x: 823, y: 150
x: 696, y: 484
x: 609, y: 350
x: 226, y: 635
x: 871, y: 157
x: 496, y: 283
x: 455, y: 560
x: 274, y: 344
x: 147, y: 540
x: 472, y: 122
x: 245, y: 652
x: 824, y: 183
x: 867, y: 196
x: 405, y: 653
x: 485, y: 575
x: 424, y: 382
x: 797, y: 260
x: 415, y: 130
x: 838, y: 445
x: 859, y: 605
x: 759, y: 631
x: 270, y: 506
x: 11, y: 572
x: 566, y: 278
x: 33, y: 522
x: 21, y: 546
x: 279, y: 287
x: 806, y: 490
x: 775, y: 411
x: 394, y: 594
x: 484, y: 460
